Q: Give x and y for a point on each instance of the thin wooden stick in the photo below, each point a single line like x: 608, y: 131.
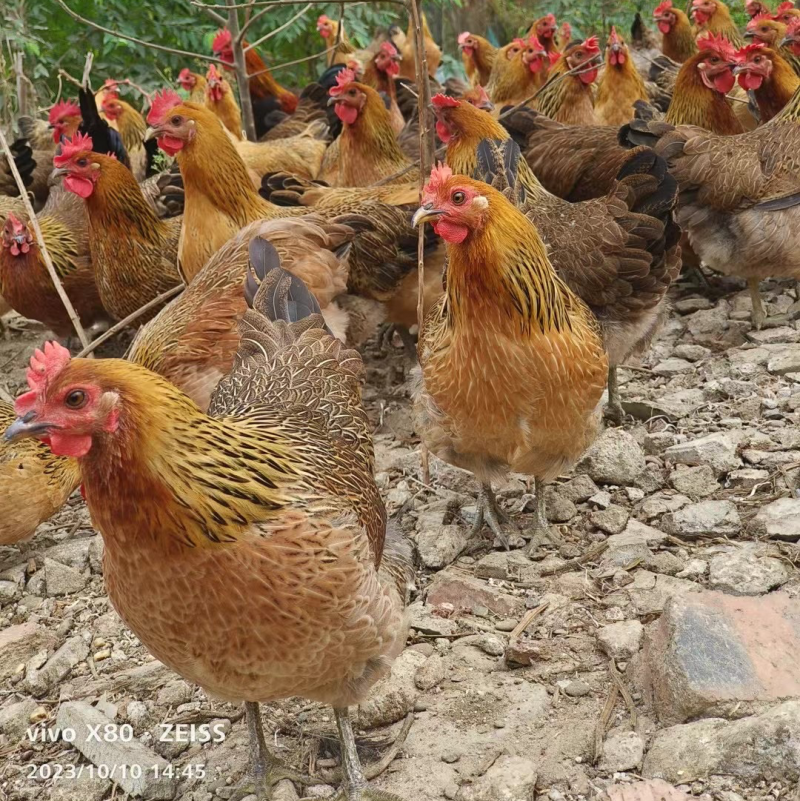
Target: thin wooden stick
x: 48, y: 262
x: 296, y: 61
x: 240, y: 68
x: 153, y: 45
x: 170, y: 293
x: 87, y: 70
x: 273, y: 3
x: 302, y: 12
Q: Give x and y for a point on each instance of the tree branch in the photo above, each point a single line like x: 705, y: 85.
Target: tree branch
x: 296, y: 61
x: 133, y: 39
x: 301, y: 13
x: 250, y: 21
x: 242, y: 79
x: 48, y: 262
x: 273, y: 3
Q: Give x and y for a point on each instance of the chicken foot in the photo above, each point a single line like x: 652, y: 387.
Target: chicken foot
x: 354, y: 785
x: 758, y: 315
x: 266, y: 769
x: 491, y: 514
x: 614, y: 410
x: 541, y: 529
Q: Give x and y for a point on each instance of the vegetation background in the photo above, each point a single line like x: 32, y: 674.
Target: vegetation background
x: 50, y: 39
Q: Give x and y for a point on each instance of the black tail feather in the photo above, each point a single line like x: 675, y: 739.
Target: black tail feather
x: 104, y: 138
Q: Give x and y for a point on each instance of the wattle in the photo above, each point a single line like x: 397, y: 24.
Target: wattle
x: 664, y: 27
x: 750, y: 80
x: 76, y: 445
x: 468, y: 50
x: 170, y: 144
x: 617, y: 59
x: 345, y: 113
x: 442, y: 131
x: 393, y: 69
x: 724, y: 82
x: 588, y: 77
x: 451, y: 232
x: 699, y: 17
x: 79, y: 185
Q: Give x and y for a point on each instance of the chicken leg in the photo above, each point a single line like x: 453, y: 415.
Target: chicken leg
x: 354, y: 785
x: 491, y: 514
x: 758, y: 315
x: 614, y: 410
x: 265, y: 768
x: 541, y: 525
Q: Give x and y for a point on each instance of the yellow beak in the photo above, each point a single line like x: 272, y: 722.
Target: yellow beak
x: 426, y: 213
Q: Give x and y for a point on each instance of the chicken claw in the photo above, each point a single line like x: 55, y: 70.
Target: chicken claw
x: 491, y: 514
x: 758, y: 315
x: 541, y: 526
x: 614, y: 410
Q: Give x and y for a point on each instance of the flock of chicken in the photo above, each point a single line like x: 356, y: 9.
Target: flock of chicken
x: 227, y: 461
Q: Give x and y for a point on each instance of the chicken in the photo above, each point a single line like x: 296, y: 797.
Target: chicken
x: 786, y: 12
x: 246, y: 548
x: 525, y: 73
x: 134, y: 253
x: 219, y: 98
x: 512, y: 364
x: 791, y: 41
x: 739, y: 215
x: 302, y: 154
x: 380, y: 73
x: 404, y: 42
x: 772, y: 33
x: 192, y: 342
x: 770, y: 78
x: 713, y: 16
x: 704, y: 80
x: 131, y: 126
x: 478, y: 56
x: 34, y: 484
x: 194, y: 83
x: 618, y: 253
x: 545, y: 30
x: 344, y: 51
x: 24, y: 281
x: 504, y: 58
x: 567, y: 96
x: 64, y: 118
x: 620, y: 85
x: 266, y: 94
x: 677, y: 36
x: 755, y: 7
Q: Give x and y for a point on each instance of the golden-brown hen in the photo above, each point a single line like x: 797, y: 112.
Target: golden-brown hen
x: 478, y: 55
x: 567, y: 96
x: 620, y: 85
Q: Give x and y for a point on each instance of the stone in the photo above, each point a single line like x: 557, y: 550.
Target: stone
x: 614, y: 458
x: 747, y: 478
x: 82, y: 788
x: 622, y: 751
x: 58, y: 667
x: 175, y: 693
x: 785, y: 360
x: 504, y: 565
x: 662, y: 502
x: 649, y: 790
x: 578, y: 489
x: 19, y: 643
x: 696, y: 482
x: 621, y: 640
x: 511, y: 778
x: 653, y: 537
x: 438, y: 548
x: 465, y: 592
x: 746, y: 571
x: 692, y: 353
x: 716, y: 450
x: 16, y: 718
x: 611, y: 520
x: 649, y: 592
x: 704, y: 519
x: 779, y: 520
x: 431, y: 673
x: 490, y: 644
x: 9, y: 592
x: 559, y: 509
x: 666, y: 563
x: 694, y: 568
x: 61, y: 580
x: 117, y: 755
x: 74, y: 553
x: 423, y: 620
x: 760, y: 747
x: 710, y: 653
x: 576, y: 688
x: 393, y: 697
x: 691, y: 305
x: 623, y: 549
x: 672, y: 366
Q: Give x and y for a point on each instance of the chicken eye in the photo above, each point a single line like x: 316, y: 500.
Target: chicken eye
x: 76, y: 399
x: 459, y: 198
x: 81, y: 162
x: 176, y: 120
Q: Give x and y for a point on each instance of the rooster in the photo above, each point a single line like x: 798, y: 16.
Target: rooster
x: 772, y: 33
x: 246, y: 548
x: 64, y: 118
x: 770, y: 78
x: 134, y: 253
x: 194, y: 83
x: 512, y: 364
x: 627, y: 256
x: 34, y: 483
x: 478, y: 56
x: 567, y: 96
x: 266, y: 94
x: 620, y: 85
x: 677, y: 36
x: 739, y: 216
x: 713, y: 16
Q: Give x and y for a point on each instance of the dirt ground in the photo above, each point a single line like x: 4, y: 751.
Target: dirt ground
x: 492, y: 716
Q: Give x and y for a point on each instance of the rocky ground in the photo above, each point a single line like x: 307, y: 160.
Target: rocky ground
x: 659, y: 641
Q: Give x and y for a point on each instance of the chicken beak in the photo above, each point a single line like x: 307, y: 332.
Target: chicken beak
x: 748, y: 35
x: 426, y: 213
x: 25, y: 427
x: 58, y: 173
x: 150, y: 133
x: 787, y: 40
x: 332, y: 101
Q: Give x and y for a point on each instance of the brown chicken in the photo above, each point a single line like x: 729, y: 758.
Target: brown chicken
x: 192, y: 342
x: 131, y: 126
x: 545, y: 30
x: 246, y: 548
x: 134, y: 253
x: 739, y: 216
x: 478, y: 56
x: 713, y: 16
x: 620, y: 85
x: 513, y: 367
x: 404, y: 42
x: 34, y: 484
x: 755, y: 7
x: 791, y: 41
x: 194, y: 83
x: 524, y: 75
x: 344, y: 51
x: 618, y: 253
x: 677, y: 36
x: 24, y: 281
x: 772, y: 33
x: 770, y: 78
x: 503, y: 60
x: 786, y: 12
x: 380, y: 73
x: 219, y: 98
x: 567, y: 96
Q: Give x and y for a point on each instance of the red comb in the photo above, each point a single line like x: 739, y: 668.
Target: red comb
x: 46, y: 364
x: 787, y: 6
x: 221, y: 41
x: 343, y: 78
x: 163, y: 102
x: 323, y: 18
x: 79, y: 143
x: 440, y: 175
x: 613, y: 37
x: 534, y: 42
x: 743, y: 52
x: 17, y: 226
x: 443, y: 101
x: 389, y: 48
x: 551, y: 18
x: 185, y: 74
x: 663, y: 7
x: 718, y: 44
x: 760, y: 17
x: 794, y: 25
x: 591, y: 43
x: 213, y: 74
x: 64, y: 108
x: 519, y: 42
x: 462, y: 37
